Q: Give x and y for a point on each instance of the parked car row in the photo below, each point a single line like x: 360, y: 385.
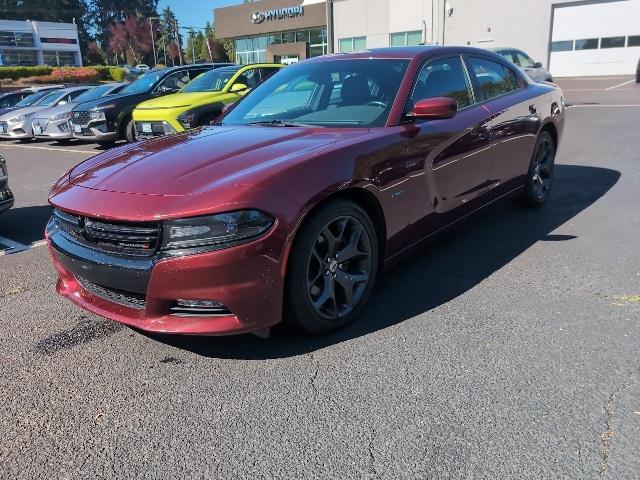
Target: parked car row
x: 301, y: 193
x: 158, y: 103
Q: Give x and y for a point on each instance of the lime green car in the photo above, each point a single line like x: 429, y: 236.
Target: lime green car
x: 200, y: 101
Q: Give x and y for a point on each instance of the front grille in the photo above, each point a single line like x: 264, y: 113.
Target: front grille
x: 124, y: 238
x: 128, y: 299
x: 4, y: 125
x: 80, y: 118
x: 63, y: 127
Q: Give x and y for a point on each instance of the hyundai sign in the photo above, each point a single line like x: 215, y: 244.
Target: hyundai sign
x: 277, y: 14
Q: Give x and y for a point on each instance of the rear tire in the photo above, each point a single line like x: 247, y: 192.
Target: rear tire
x: 333, y: 266
x: 540, y: 175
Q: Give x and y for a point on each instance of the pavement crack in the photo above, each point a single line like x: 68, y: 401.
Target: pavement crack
x: 372, y: 455
x: 314, y: 375
x: 607, y: 435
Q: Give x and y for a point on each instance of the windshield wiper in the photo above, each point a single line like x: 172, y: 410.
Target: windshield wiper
x: 281, y: 123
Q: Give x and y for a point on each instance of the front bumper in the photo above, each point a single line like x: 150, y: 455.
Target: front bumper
x: 96, y: 130
x: 154, y: 128
x: 54, y: 129
x: 140, y: 292
x: 16, y: 130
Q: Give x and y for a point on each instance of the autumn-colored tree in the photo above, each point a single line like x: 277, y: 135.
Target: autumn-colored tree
x: 130, y: 39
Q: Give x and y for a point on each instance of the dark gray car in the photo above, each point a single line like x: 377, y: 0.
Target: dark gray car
x: 534, y: 70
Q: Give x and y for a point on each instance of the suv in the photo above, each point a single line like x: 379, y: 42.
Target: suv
x: 534, y: 70
x: 201, y: 101
x: 108, y: 119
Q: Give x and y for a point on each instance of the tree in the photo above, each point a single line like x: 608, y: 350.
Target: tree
x: 131, y: 38
x: 212, y: 48
x: 94, y: 55
x: 169, y: 34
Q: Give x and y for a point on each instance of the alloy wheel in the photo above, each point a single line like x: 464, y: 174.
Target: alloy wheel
x: 339, y: 267
x: 543, y: 169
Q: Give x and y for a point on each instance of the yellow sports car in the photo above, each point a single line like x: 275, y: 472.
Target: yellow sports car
x: 200, y: 101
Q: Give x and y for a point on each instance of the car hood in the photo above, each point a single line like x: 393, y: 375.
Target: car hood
x: 20, y: 111
x: 50, y: 112
x: 118, y: 98
x: 177, y: 100
x: 203, y: 160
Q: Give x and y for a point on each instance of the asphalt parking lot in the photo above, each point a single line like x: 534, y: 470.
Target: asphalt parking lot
x: 508, y: 349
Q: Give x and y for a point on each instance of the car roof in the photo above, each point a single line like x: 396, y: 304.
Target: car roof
x: 406, y: 53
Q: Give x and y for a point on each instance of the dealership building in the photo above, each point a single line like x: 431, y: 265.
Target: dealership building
x: 25, y: 42
x: 571, y: 38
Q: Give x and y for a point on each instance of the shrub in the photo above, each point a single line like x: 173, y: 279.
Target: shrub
x: 75, y: 75
x: 15, y: 73
x: 110, y: 73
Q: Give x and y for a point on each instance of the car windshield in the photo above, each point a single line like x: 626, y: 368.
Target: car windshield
x: 49, y: 99
x: 31, y: 99
x: 333, y: 93
x: 144, y: 83
x: 211, y: 81
x: 93, y: 94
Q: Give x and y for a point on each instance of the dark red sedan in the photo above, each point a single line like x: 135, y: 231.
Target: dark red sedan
x: 293, y: 203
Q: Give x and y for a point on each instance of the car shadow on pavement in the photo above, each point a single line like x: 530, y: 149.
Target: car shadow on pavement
x: 25, y: 224
x: 445, y: 269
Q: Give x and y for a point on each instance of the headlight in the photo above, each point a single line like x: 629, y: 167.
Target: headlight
x: 97, y: 115
x: 3, y: 166
x: 21, y: 118
x: 61, y: 116
x: 222, y: 230
x: 187, y: 118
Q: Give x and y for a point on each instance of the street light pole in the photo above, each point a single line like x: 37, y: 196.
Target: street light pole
x: 178, y: 40
x: 153, y: 42
x: 193, y: 47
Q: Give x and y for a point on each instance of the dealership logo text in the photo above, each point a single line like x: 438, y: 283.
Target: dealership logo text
x: 277, y: 14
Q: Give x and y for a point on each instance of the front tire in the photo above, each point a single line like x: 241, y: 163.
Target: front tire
x: 130, y: 131
x: 540, y: 175
x: 333, y: 267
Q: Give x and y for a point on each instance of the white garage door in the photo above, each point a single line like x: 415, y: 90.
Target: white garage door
x: 596, y: 39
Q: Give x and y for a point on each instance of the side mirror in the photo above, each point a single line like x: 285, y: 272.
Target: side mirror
x: 537, y: 65
x: 238, y: 87
x: 437, y: 108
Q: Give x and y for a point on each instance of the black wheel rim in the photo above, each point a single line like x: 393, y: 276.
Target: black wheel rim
x: 543, y: 169
x: 339, y: 267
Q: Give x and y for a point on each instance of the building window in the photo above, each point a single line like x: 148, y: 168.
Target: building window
x: 612, y: 42
x: 18, y: 57
x: 16, y: 39
x: 353, y: 44
x: 253, y: 49
x: 587, y: 44
x: 68, y: 41
x: 562, y: 46
x: 58, y: 59
x: 634, y: 41
x: 405, y: 39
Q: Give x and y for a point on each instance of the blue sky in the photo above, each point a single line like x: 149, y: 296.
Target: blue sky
x: 195, y: 13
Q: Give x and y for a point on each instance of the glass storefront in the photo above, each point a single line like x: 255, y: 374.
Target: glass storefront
x: 18, y: 57
x: 58, y: 59
x: 253, y: 49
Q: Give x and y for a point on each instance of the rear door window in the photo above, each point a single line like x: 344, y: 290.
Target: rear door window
x: 493, y: 79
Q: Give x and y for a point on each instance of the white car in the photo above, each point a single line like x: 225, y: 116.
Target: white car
x: 143, y: 67
x: 16, y: 124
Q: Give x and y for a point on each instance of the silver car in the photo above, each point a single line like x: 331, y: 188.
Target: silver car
x: 534, y: 70
x: 17, y: 123
x: 53, y: 123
